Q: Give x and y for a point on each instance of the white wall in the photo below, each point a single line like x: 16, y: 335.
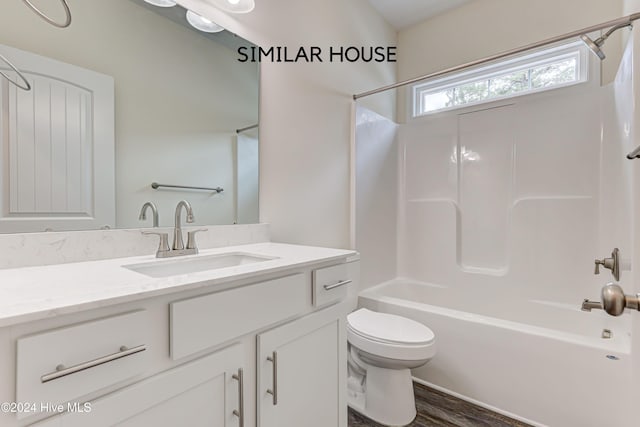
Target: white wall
x: 485, y: 27
x: 630, y: 6
x: 247, y: 177
x: 305, y: 111
x: 377, y: 197
x: 176, y: 106
x: 632, y: 140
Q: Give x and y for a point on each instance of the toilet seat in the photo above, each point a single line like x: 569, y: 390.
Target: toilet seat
x: 390, y: 336
x: 389, y: 328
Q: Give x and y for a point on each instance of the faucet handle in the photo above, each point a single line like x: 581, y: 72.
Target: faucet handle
x: 191, y: 238
x: 163, y: 245
x: 612, y: 264
x: 598, y: 263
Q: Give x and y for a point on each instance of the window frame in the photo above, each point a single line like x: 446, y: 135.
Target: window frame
x: 523, y: 62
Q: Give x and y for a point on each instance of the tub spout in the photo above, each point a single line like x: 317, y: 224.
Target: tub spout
x: 588, y: 305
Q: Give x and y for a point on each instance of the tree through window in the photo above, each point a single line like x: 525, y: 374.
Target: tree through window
x: 542, y: 70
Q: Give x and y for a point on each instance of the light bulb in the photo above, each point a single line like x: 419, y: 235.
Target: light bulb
x: 161, y: 3
x: 235, y: 6
x: 203, y: 24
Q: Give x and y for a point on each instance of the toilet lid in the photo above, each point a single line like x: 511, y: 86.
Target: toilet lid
x: 389, y: 328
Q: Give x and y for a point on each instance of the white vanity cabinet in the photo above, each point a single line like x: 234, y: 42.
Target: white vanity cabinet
x: 62, y: 365
x: 202, y: 393
x: 262, y: 351
x: 302, y: 372
x: 206, y: 321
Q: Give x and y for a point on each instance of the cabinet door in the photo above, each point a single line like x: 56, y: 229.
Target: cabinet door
x: 302, y: 372
x: 200, y: 393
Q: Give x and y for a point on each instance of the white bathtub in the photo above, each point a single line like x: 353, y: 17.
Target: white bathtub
x: 542, y: 363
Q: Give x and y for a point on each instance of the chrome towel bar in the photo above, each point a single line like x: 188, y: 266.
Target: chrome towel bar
x: 61, y: 371
x: 42, y: 15
x: 155, y: 186
x: 247, y: 128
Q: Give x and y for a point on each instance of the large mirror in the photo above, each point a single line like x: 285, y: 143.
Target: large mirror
x: 129, y: 95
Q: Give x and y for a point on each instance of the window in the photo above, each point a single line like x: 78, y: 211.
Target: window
x: 543, y: 70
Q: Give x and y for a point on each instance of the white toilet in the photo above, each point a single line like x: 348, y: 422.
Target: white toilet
x: 382, y: 350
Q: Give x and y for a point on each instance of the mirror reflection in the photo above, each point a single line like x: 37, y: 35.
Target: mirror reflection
x: 129, y: 95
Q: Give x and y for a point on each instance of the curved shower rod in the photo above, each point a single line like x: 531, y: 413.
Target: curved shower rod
x: 26, y: 86
x: 42, y: 15
x: 619, y: 23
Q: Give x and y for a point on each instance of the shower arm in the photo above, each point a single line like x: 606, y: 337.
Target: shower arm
x: 635, y: 154
x: 620, y: 22
x: 600, y: 41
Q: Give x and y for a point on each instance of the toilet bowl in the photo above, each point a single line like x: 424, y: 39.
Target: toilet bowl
x: 383, y: 348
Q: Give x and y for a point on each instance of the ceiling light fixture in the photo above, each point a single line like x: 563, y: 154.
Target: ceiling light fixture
x: 235, y: 6
x: 161, y: 3
x: 203, y: 24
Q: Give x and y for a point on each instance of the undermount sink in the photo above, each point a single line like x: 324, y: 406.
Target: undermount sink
x: 173, y: 267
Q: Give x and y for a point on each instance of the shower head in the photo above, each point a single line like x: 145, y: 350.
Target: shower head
x: 595, y: 45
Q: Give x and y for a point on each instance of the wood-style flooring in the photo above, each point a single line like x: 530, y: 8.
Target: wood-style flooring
x: 438, y: 409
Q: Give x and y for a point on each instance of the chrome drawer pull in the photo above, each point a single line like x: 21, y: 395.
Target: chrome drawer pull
x: 274, y: 391
x: 337, y: 285
x: 61, y: 371
x: 240, y: 411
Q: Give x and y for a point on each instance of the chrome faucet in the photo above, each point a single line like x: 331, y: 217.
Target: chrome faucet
x: 589, y: 305
x: 178, y: 248
x: 612, y: 264
x: 178, y: 243
x: 154, y: 210
x: 614, y: 301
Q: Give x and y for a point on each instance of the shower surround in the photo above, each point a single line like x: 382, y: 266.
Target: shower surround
x: 501, y: 210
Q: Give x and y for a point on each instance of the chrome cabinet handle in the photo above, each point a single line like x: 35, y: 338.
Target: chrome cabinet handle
x: 274, y: 391
x: 240, y: 411
x: 337, y: 285
x: 61, y: 371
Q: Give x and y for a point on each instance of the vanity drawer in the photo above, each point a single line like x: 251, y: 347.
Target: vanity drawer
x: 330, y: 284
x: 205, y: 321
x: 64, y: 364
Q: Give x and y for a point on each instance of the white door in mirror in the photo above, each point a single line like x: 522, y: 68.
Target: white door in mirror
x: 59, y: 140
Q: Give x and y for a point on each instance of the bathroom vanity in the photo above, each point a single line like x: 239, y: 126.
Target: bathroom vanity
x: 137, y: 342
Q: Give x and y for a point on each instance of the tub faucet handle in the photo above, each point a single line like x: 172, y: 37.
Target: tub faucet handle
x: 612, y: 264
x: 614, y: 300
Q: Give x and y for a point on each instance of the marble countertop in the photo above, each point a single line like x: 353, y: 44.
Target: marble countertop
x: 33, y: 293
